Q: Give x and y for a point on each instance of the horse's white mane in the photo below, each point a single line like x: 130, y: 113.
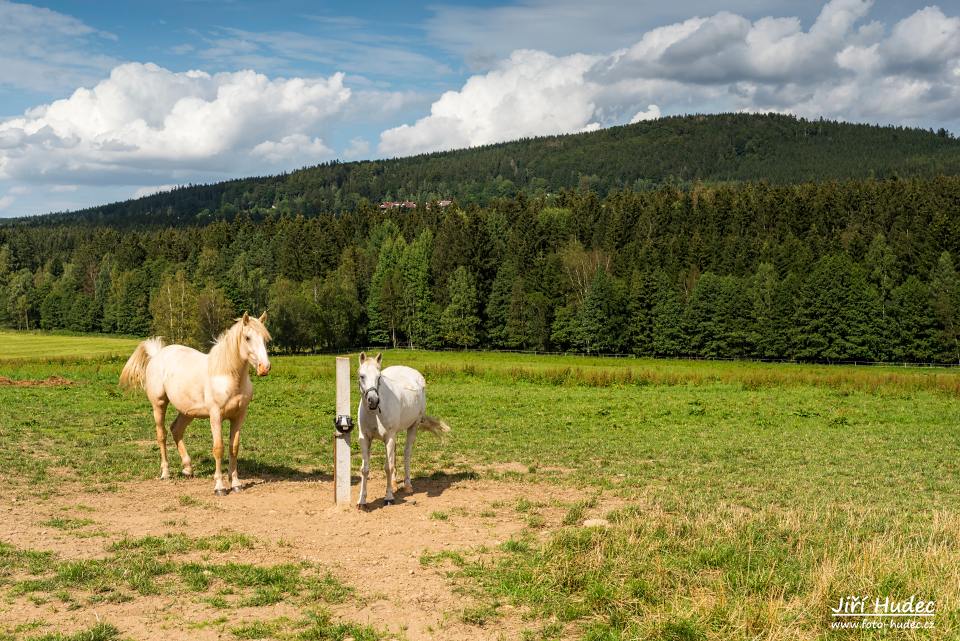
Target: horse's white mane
x: 224, y: 356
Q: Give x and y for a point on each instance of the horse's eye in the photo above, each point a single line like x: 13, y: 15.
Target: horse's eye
x: 247, y: 338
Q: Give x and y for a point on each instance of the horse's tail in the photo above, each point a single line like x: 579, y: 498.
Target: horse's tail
x: 434, y: 425
x: 136, y: 367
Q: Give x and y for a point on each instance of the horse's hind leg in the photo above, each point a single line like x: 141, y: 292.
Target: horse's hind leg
x: 407, y: 455
x: 159, y: 413
x: 178, y: 428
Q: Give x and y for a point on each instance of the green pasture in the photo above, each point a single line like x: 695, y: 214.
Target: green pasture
x: 754, y: 496
x: 16, y: 346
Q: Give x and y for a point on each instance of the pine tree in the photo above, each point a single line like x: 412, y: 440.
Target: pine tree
x: 910, y: 310
x: 669, y: 338
x: 339, y: 305
x: 294, y: 321
x: 600, y: 320
x: 384, y: 301
x: 6, y: 317
x: 837, y: 314
x: 639, y: 323
x: 945, y: 292
x: 499, y: 303
x: 127, y: 309
x: 418, y: 319
x: 716, y: 317
x: 762, y: 296
x: 459, y: 322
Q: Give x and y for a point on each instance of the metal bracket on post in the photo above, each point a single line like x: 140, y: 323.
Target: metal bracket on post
x: 343, y: 425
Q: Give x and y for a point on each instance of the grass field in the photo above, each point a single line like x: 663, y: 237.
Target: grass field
x: 747, y: 499
x: 19, y: 346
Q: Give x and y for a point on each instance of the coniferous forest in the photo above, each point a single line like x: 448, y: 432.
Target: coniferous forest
x: 853, y: 261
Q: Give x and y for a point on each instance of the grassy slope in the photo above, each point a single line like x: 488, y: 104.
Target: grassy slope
x: 757, y: 495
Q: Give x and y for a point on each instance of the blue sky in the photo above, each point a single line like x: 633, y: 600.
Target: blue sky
x: 108, y: 100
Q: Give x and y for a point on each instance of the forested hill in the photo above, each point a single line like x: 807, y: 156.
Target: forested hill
x: 677, y: 150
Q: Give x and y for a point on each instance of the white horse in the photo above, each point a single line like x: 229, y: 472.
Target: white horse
x: 392, y: 400
x: 215, y: 385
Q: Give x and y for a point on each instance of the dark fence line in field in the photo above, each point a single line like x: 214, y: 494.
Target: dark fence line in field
x: 730, y: 359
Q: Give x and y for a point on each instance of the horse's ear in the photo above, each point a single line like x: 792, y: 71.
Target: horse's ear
x: 379, y: 359
x: 363, y: 357
x: 246, y: 318
x: 263, y: 317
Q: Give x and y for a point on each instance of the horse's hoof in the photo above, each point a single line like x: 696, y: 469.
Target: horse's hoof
x: 187, y: 473
x: 389, y: 501
x: 236, y: 489
x: 362, y: 507
x: 221, y: 492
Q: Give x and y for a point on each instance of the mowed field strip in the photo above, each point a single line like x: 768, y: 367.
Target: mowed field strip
x: 734, y: 501
x: 19, y: 346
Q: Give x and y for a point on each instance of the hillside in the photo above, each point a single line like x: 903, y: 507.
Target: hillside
x: 677, y: 150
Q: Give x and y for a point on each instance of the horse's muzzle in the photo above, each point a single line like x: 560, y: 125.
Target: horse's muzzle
x: 373, y: 400
x: 263, y: 370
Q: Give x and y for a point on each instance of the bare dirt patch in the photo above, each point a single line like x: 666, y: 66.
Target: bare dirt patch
x: 376, y: 552
x: 50, y: 381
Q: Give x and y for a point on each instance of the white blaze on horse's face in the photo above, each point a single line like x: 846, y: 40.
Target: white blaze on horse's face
x: 253, y: 346
x: 369, y: 375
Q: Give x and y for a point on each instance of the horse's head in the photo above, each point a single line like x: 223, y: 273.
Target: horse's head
x: 253, y: 338
x: 369, y: 373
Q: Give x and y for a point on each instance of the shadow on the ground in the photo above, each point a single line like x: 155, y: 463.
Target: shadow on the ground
x: 430, y: 486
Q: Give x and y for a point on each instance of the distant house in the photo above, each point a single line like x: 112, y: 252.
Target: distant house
x: 442, y: 203
x: 398, y: 204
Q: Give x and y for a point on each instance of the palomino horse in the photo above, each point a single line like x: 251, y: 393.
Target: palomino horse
x: 215, y: 385
x: 392, y: 400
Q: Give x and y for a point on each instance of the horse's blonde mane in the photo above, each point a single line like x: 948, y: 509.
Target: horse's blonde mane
x: 224, y: 357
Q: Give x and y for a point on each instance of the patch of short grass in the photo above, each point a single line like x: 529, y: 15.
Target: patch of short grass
x: 428, y: 559
x: 255, y: 630
x: 179, y: 543
x: 67, y: 523
x: 148, y: 565
x: 316, y: 626
x: 99, y: 632
x: 479, y: 615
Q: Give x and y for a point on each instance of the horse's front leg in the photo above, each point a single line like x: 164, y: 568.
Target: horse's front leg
x: 159, y: 414
x: 364, y: 469
x: 235, y: 424
x: 389, y: 465
x: 216, y: 425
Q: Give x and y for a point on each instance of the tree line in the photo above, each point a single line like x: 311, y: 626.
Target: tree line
x: 831, y: 271
x: 679, y: 150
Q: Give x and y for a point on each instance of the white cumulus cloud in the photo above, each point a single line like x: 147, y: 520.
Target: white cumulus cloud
x: 358, y: 148
x: 651, y: 112
x: 145, y: 123
x: 843, y: 66
x: 291, y: 148
x: 531, y: 93
x: 153, y: 189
